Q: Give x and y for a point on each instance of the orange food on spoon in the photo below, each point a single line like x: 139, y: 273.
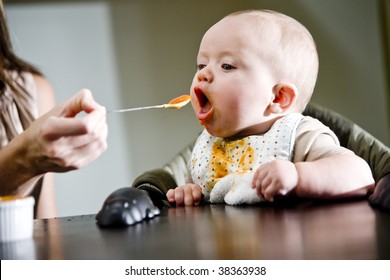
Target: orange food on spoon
x: 178, y: 102
x: 179, y: 99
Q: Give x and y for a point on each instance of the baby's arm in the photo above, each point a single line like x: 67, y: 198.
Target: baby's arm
x: 335, y: 176
x: 186, y: 195
x: 321, y: 168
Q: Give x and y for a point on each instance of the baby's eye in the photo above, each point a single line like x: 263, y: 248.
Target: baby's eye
x: 226, y: 66
x: 200, y: 66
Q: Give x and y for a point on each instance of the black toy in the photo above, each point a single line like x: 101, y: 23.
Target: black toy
x: 125, y: 207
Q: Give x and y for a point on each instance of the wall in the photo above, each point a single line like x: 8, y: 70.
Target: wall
x: 134, y: 53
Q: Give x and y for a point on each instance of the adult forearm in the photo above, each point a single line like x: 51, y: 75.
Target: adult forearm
x: 16, y: 170
x: 338, y: 176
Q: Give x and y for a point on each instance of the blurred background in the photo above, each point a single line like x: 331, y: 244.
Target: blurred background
x: 136, y: 52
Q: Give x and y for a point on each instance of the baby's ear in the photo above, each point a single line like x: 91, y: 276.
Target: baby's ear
x: 285, y: 95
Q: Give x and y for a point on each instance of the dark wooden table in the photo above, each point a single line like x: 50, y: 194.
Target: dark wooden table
x: 304, y: 230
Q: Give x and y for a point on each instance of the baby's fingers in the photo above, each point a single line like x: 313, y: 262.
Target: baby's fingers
x: 188, y: 199
x: 258, y: 183
x: 196, y: 194
x: 179, y: 196
x: 171, y: 195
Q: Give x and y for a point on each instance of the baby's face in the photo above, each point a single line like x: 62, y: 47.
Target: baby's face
x: 232, y: 88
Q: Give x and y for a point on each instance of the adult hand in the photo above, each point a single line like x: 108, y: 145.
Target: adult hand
x: 61, y: 140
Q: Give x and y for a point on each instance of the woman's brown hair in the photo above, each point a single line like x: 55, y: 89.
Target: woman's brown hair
x: 8, y: 60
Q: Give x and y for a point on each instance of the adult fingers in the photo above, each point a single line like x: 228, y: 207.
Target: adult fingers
x: 79, y: 157
x: 56, y: 127
x: 82, y: 101
x: 98, y: 132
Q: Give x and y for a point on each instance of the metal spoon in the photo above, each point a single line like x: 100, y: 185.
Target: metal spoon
x: 176, y: 103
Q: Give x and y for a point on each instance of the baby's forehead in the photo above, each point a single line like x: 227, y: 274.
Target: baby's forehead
x: 262, y: 33
x: 241, y: 21
x: 259, y: 27
x: 233, y: 27
x: 229, y: 35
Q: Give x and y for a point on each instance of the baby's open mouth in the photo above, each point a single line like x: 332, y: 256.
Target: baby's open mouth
x: 202, y: 98
x: 205, y: 107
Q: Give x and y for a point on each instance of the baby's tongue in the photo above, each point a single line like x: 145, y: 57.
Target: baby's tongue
x: 204, y: 112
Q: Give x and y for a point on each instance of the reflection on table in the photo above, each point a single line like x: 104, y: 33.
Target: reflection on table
x: 305, y: 230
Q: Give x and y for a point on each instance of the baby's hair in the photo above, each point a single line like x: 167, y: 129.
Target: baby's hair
x: 289, y: 49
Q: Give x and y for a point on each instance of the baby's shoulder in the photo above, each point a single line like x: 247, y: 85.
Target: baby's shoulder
x: 310, y: 125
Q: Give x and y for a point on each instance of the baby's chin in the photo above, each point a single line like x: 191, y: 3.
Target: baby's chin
x: 234, y: 134
x: 220, y: 133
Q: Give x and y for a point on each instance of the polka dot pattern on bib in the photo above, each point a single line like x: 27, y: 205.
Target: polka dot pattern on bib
x: 213, y: 158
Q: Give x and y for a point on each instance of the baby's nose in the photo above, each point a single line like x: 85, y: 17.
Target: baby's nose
x: 205, y: 75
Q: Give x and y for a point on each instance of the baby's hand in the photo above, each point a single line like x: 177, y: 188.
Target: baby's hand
x: 186, y: 195
x: 277, y: 177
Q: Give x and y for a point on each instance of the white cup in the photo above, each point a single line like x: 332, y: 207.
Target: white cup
x: 16, y: 218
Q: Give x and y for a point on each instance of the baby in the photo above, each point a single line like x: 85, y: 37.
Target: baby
x: 256, y: 71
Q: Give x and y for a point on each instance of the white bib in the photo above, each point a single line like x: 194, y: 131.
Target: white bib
x: 213, y: 158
